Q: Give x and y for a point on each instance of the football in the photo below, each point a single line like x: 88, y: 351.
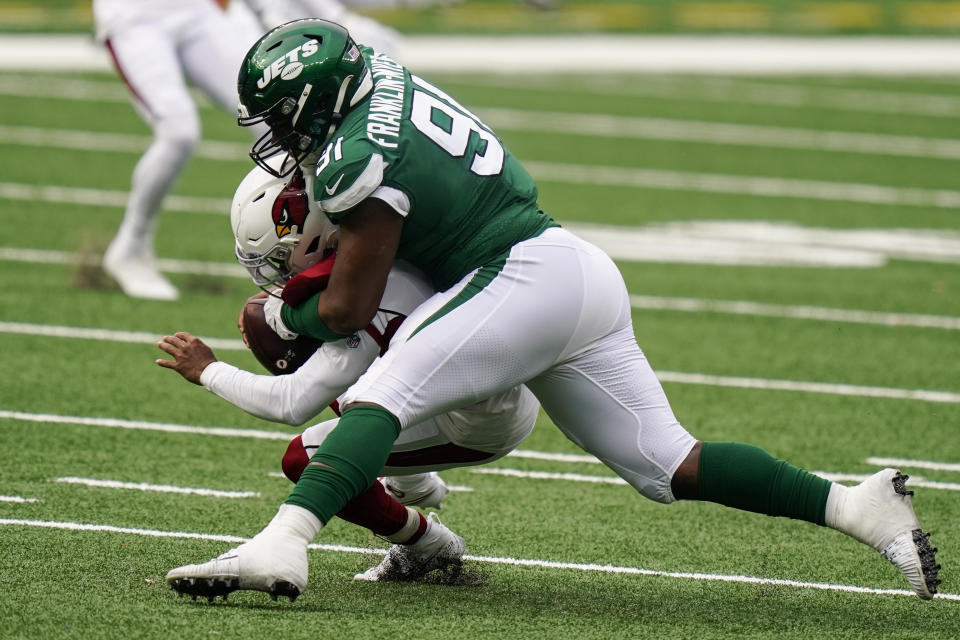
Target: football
x: 277, y: 355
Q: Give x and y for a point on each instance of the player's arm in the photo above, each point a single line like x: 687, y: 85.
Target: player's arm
x: 296, y: 397
x: 369, y: 236
x: 290, y: 399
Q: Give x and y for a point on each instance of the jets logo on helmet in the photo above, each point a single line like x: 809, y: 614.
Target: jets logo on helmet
x: 290, y: 209
x: 301, y: 79
x: 289, y: 65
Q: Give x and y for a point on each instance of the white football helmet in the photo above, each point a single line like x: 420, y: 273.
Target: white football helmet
x: 278, y: 228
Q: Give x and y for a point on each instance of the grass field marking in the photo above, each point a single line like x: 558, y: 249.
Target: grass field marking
x: 922, y: 395
x: 799, y: 312
x: 597, y: 175
x: 107, y: 198
x: 548, y: 475
x: 452, y: 487
x: 18, y: 499
x: 159, y: 488
x: 115, y: 142
x: 519, y: 562
x: 657, y: 303
x: 191, y: 267
x: 584, y: 124
x: 553, y: 457
x: 918, y: 464
x: 705, y: 88
x: 142, y: 425
x: 760, y: 186
x: 733, y: 91
x: 107, y: 335
x: 700, y: 132
x: 915, y: 481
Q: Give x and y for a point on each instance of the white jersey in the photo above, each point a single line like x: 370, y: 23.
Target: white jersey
x: 497, y: 424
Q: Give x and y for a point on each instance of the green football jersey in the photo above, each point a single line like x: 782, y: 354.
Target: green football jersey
x: 465, y: 198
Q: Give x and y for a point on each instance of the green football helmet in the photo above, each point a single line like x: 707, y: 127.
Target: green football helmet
x: 301, y: 80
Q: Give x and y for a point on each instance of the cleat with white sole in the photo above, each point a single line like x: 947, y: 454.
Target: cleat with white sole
x: 271, y: 562
x: 438, y: 548
x: 879, y: 512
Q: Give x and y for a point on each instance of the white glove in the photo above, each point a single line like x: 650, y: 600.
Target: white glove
x: 271, y: 312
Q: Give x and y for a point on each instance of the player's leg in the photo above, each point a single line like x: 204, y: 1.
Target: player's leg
x: 607, y: 399
x: 145, y: 58
x: 420, y: 488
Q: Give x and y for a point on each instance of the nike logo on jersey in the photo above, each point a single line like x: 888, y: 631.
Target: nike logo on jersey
x: 332, y: 190
x: 288, y: 66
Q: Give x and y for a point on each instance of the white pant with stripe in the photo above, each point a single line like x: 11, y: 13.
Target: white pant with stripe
x: 557, y: 318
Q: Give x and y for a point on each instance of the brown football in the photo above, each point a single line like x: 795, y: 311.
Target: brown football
x: 277, y: 355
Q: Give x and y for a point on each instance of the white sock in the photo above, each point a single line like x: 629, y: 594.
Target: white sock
x: 296, y: 520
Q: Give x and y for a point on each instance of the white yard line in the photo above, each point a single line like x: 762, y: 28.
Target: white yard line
x: 770, y: 187
x: 913, y: 483
x: 456, y: 488
x: 586, y: 124
x: 917, y: 464
x: 922, y: 395
x: 735, y: 91
x: 547, y: 475
x: 553, y: 457
x: 518, y: 562
x: 107, y: 198
x: 799, y: 312
x: 107, y: 335
x: 567, y: 173
x: 158, y: 488
x: 544, y: 54
x: 17, y: 499
x: 142, y: 425
x: 112, y: 142
x: 623, y: 127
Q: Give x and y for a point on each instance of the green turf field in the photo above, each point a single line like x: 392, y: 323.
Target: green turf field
x: 827, y: 209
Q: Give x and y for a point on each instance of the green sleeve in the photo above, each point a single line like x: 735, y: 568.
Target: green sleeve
x: 304, y: 320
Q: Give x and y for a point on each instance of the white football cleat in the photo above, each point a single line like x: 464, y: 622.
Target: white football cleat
x: 879, y: 512
x: 274, y: 561
x: 424, y: 490
x: 138, y: 276
x: 438, y: 548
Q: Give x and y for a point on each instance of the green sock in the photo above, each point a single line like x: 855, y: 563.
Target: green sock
x: 354, y: 453
x: 747, y: 477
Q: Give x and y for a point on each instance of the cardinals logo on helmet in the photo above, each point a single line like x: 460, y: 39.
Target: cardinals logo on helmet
x: 290, y: 209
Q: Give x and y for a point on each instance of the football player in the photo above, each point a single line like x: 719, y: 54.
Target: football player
x: 409, y: 173
x: 282, y: 238
x: 156, y: 48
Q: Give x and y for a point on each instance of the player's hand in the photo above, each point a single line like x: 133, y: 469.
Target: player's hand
x: 243, y: 331
x: 190, y: 355
x: 271, y: 313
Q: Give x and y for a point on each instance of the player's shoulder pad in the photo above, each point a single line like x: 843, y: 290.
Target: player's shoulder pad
x: 348, y: 171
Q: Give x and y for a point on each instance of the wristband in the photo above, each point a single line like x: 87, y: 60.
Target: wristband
x: 304, y: 320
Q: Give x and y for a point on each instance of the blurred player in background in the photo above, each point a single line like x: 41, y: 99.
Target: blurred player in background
x: 156, y: 47
x: 263, y: 15
x: 283, y: 238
